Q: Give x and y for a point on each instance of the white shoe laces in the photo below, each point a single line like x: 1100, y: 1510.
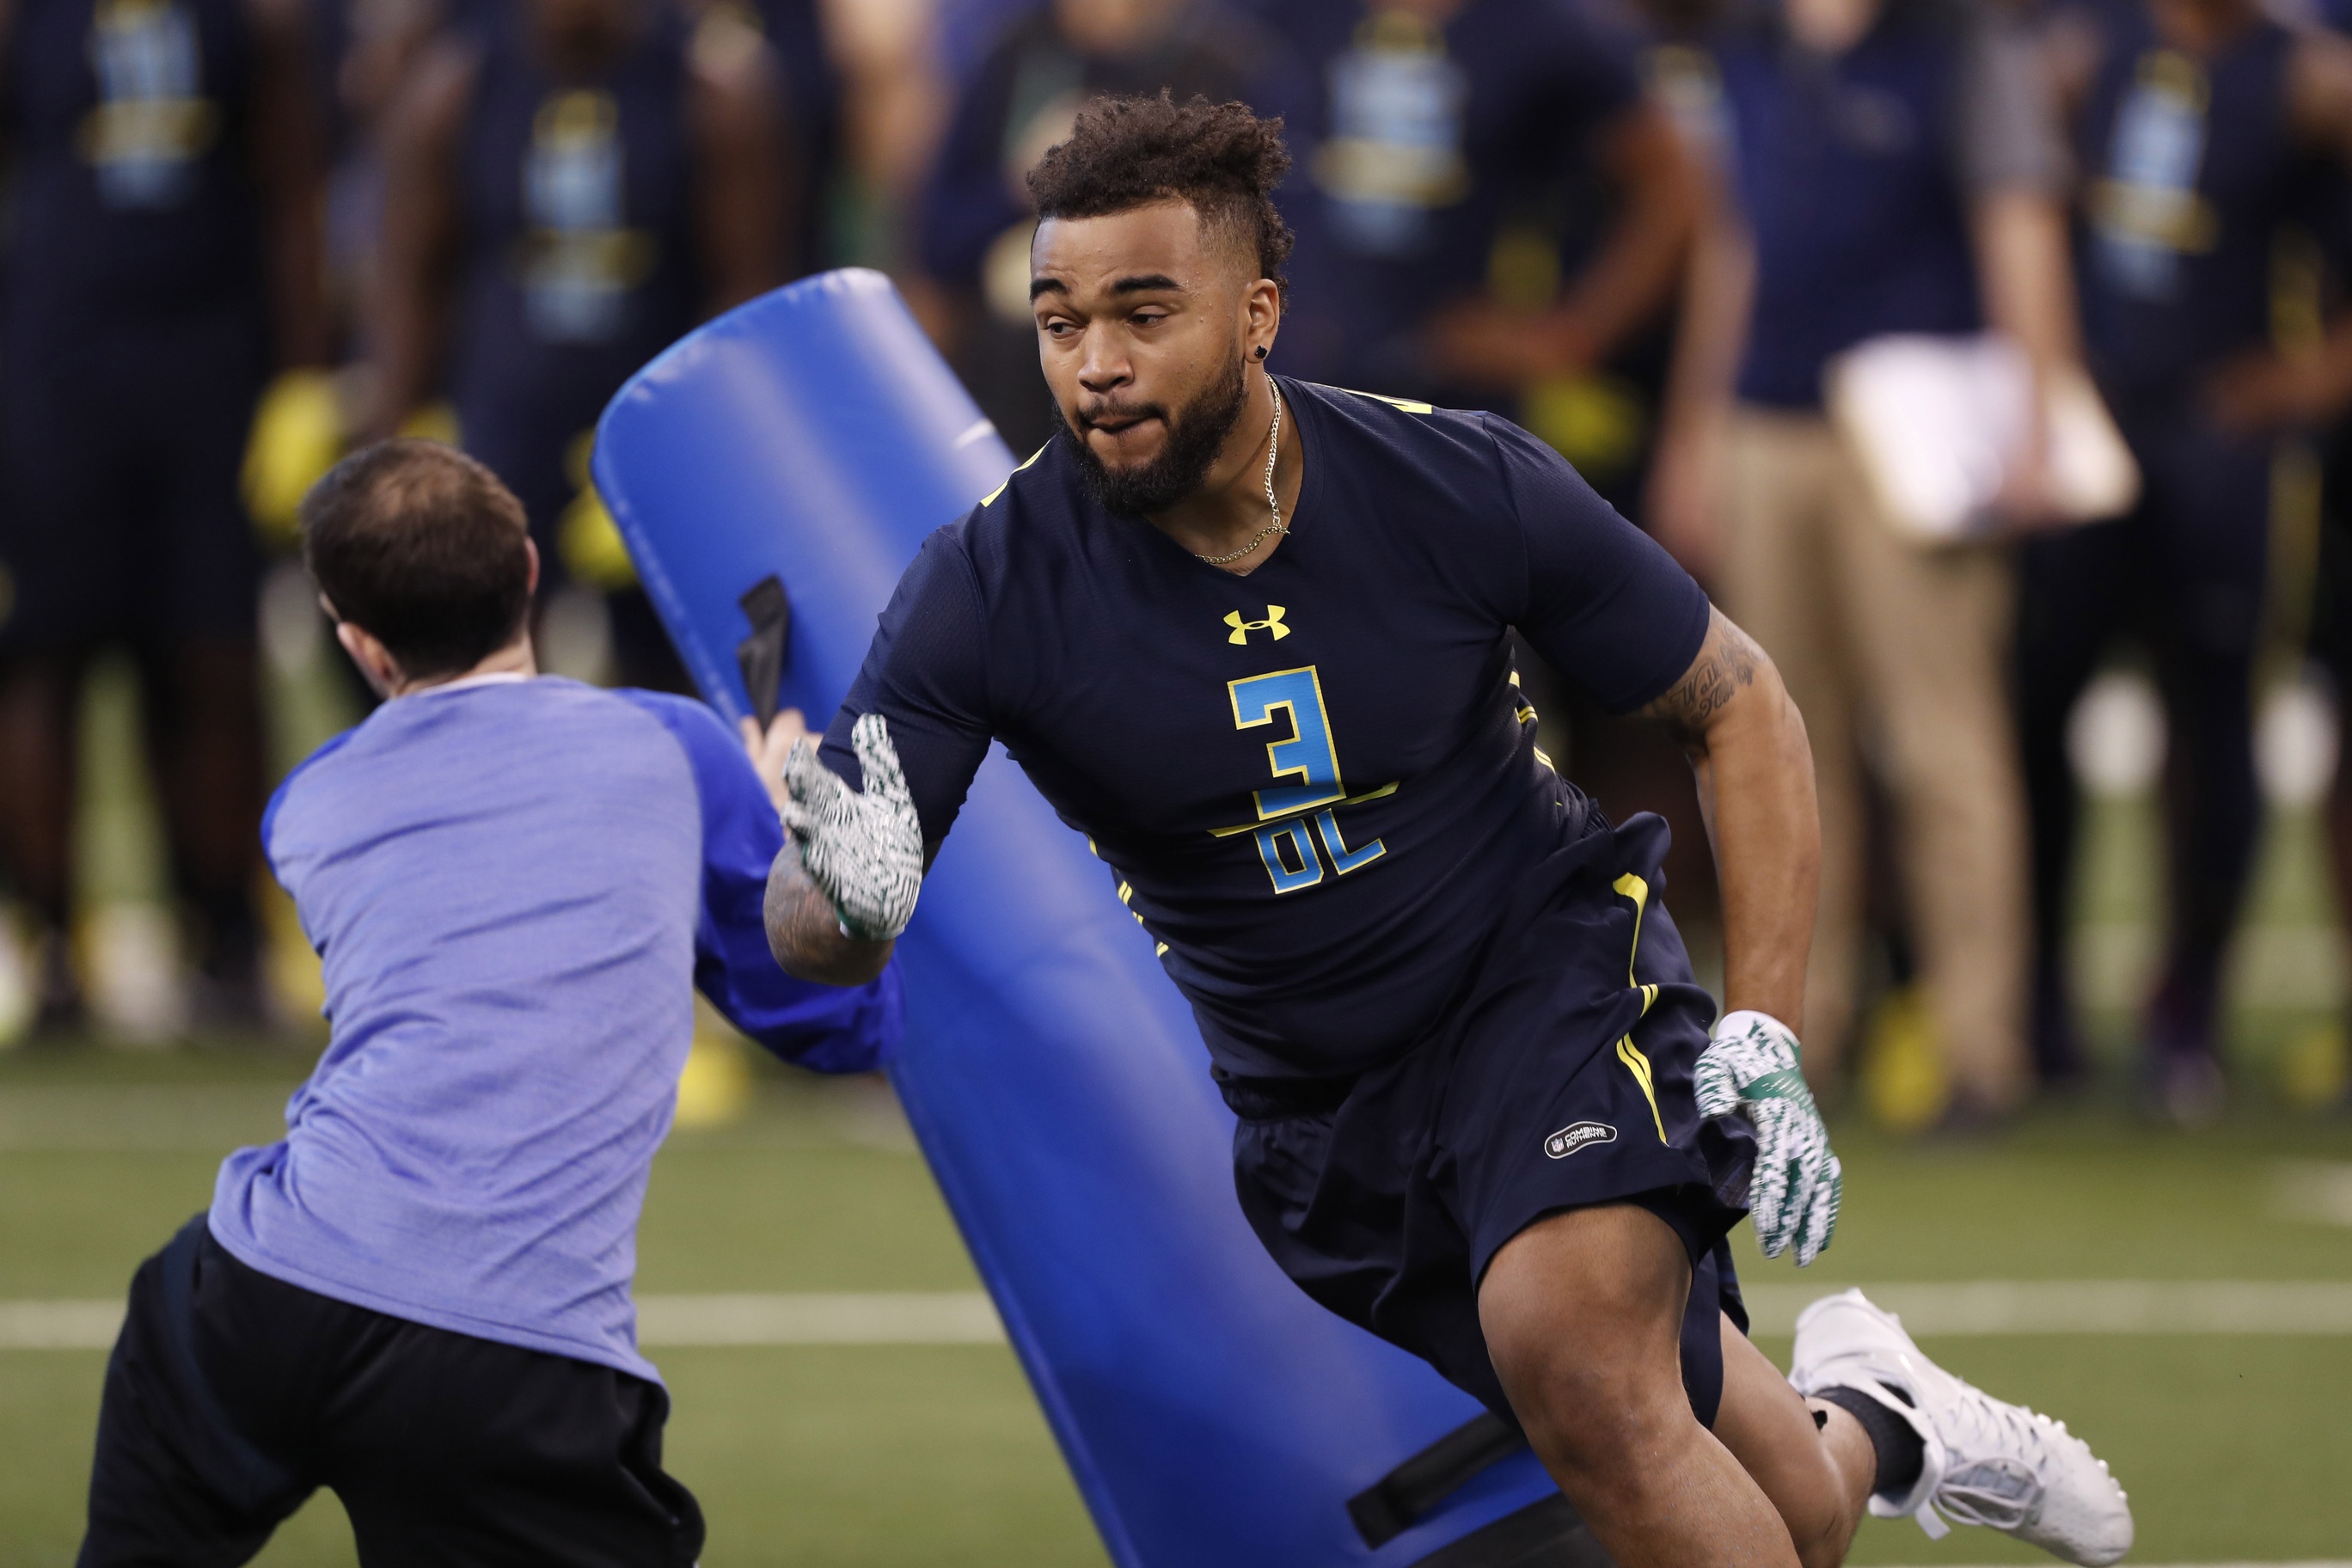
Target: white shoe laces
x: 2002, y: 1451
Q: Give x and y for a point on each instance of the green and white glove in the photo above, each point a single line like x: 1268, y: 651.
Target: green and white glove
x: 1749, y: 1070
x: 864, y: 852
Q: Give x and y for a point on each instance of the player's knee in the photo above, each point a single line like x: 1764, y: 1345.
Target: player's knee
x: 1600, y: 1430
x: 1821, y: 1520
x: 1823, y: 1546
x: 1583, y: 1327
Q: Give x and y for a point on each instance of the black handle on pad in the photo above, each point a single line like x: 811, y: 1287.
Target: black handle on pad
x: 1408, y: 1494
x: 761, y: 656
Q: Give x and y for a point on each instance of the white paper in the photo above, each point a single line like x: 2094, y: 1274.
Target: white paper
x: 1936, y: 421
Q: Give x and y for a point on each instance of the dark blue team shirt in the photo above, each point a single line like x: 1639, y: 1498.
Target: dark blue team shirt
x: 1316, y: 785
x: 2192, y: 171
x: 1413, y: 144
x: 580, y: 260
x: 1845, y: 169
x: 132, y: 192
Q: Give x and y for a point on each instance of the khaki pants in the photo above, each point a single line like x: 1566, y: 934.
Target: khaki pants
x: 1903, y: 649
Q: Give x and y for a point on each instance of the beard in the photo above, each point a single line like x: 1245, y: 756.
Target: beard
x: 1195, y: 435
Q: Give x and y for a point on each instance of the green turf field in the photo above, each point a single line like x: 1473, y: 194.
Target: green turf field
x: 2234, y: 1447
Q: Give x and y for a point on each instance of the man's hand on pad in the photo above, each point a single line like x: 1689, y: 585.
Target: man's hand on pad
x: 768, y: 752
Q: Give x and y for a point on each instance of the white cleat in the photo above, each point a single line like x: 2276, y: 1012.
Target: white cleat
x: 1987, y: 1462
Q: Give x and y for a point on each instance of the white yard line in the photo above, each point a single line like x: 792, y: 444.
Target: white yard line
x: 2316, y: 1190
x: 59, y: 1325
x: 966, y: 1317
x: 833, y: 1318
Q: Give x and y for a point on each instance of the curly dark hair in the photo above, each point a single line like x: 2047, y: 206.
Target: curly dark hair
x: 1125, y: 152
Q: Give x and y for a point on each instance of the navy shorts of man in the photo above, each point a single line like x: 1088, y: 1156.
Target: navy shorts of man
x: 420, y: 1297
x: 1252, y: 637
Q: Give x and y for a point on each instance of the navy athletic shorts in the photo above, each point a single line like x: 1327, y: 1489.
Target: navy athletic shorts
x: 1562, y: 1080
x: 232, y: 1396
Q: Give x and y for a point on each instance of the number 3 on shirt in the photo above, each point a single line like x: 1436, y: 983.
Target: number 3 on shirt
x: 1308, y: 756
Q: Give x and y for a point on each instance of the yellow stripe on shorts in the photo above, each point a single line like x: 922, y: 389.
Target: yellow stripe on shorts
x: 1628, y: 1053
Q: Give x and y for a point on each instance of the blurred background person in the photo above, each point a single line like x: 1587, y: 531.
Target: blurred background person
x: 811, y: 89
x: 2204, y: 129
x: 1492, y: 212
x: 1893, y: 168
x: 1022, y: 96
x: 1446, y: 149
x: 377, y: 44
x: 571, y: 185
x: 896, y: 91
x: 163, y: 258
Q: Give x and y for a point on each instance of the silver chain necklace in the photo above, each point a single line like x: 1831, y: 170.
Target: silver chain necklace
x: 1272, y: 440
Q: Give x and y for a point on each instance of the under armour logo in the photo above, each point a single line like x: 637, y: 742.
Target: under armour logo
x: 1241, y: 628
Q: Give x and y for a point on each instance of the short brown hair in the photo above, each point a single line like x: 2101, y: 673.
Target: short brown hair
x: 422, y: 547
x: 1127, y: 153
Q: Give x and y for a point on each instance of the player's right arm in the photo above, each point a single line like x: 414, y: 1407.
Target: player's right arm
x: 865, y: 813
x: 844, y: 884
x: 805, y: 933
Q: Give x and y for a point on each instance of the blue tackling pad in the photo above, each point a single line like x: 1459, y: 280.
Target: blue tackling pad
x: 1213, y: 1417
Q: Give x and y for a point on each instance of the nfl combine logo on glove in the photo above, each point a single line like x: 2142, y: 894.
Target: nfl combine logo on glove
x: 1568, y: 1140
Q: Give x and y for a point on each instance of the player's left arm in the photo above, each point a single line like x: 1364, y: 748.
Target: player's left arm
x: 1612, y: 611
x: 1746, y: 743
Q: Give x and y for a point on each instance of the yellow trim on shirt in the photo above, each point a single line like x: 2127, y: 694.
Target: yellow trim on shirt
x: 999, y: 490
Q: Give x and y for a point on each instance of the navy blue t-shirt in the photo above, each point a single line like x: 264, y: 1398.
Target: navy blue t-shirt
x: 1844, y: 173
x: 133, y: 199
x: 1415, y: 142
x: 580, y: 257
x: 1317, y: 785
x: 1856, y: 173
x: 2194, y: 171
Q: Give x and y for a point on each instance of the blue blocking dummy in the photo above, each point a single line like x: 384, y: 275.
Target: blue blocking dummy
x: 1214, y: 1417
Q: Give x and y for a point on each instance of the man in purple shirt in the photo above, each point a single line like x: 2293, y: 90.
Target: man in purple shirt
x: 420, y: 1297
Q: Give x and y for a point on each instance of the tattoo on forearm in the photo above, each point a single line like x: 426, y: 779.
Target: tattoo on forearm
x: 1726, y: 664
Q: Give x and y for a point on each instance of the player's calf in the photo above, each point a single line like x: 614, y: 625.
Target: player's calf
x: 1817, y: 1464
